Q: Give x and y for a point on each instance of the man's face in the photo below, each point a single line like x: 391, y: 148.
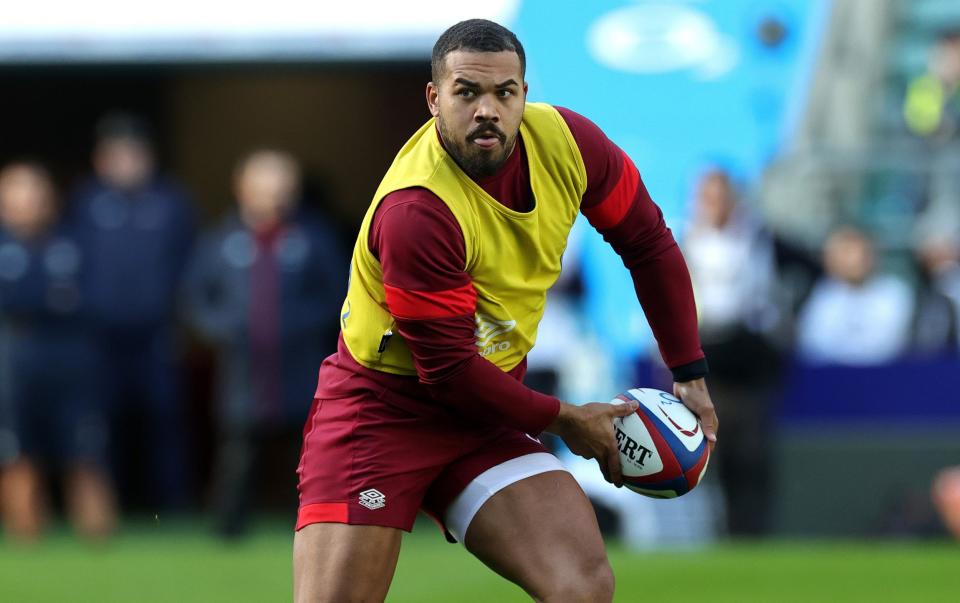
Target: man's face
x: 266, y: 188
x: 125, y: 163
x: 945, y: 61
x: 479, y: 103
x: 26, y: 200
x: 848, y: 256
x: 716, y: 200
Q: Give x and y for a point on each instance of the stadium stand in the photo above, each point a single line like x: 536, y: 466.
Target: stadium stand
x: 882, y: 430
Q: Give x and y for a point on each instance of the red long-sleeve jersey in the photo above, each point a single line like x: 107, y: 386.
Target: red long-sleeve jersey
x: 422, y: 252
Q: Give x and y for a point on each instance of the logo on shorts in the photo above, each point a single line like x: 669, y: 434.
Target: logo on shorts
x: 372, y: 499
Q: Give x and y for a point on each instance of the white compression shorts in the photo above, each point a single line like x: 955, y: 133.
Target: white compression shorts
x: 463, y: 509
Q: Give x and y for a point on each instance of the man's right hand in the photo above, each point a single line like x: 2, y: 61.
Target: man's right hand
x: 588, y: 432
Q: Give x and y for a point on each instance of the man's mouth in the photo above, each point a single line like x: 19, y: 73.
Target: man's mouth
x: 487, y: 139
x: 487, y: 142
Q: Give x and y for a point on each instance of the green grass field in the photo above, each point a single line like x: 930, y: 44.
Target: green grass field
x: 181, y: 563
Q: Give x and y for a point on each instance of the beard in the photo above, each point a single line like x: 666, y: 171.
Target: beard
x: 475, y: 161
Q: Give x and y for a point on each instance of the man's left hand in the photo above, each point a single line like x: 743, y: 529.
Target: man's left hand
x: 695, y: 396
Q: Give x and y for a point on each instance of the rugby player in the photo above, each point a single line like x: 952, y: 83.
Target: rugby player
x: 423, y: 406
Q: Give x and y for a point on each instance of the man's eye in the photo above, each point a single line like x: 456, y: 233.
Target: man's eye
x: 465, y: 93
x: 504, y: 93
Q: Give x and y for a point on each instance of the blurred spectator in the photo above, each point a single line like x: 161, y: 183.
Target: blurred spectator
x: 136, y: 229
x: 936, y: 319
x: 932, y: 106
x: 732, y: 265
x: 854, y: 316
x: 946, y: 498
x: 51, y: 413
x: 266, y: 288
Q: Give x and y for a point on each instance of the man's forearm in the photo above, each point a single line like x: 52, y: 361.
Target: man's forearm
x: 666, y: 294
x: 481, y: 390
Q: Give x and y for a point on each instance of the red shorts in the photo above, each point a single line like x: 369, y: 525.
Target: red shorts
x: 368, y: 462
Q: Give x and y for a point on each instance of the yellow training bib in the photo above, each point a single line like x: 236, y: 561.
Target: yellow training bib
x: 512, y: 257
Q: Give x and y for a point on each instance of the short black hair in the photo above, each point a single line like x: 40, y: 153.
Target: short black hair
x: 122, y: 125
x: 475, y: 35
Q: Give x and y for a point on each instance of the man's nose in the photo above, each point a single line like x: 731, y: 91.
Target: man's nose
x: 486, y: 110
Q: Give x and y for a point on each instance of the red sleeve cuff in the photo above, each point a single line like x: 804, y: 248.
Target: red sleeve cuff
x: 544, y: 410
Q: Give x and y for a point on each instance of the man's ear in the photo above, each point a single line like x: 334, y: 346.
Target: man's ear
x: 433, y: 99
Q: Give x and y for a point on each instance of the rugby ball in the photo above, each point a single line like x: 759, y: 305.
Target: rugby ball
x: 663, y: 452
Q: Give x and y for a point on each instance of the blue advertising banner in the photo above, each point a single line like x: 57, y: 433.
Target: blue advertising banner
x: 679, y: 85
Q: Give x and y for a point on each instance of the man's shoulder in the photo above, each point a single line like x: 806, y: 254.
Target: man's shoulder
x: 170, y: 190
x: 417, y: 201
x: 590, y: 139
x: 577, y: 121
x: 88, y: 188
x: 413, y: 194
x: 223, y: 240
x: 415, y: 220
x: 226, y: 226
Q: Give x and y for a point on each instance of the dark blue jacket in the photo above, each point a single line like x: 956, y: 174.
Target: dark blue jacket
x: 46, y: 340
x: 42, y: 283
x: 313, y: 272
x: 137, y: 244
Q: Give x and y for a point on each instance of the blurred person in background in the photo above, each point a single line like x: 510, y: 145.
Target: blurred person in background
x: 932, y: 106
x: 936, y: 317
x: 136, y: 228
x: 52, y: 418
x: 854, y: 316
x: 732, y: 265
x: 265, y: 288
x: 946, y: 498
x: 942, y: 257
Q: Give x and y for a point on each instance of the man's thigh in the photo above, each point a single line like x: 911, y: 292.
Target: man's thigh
x: 364, y: 469
x: 541, y: 533
x: 364, y: 462
x: 339, y: 562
